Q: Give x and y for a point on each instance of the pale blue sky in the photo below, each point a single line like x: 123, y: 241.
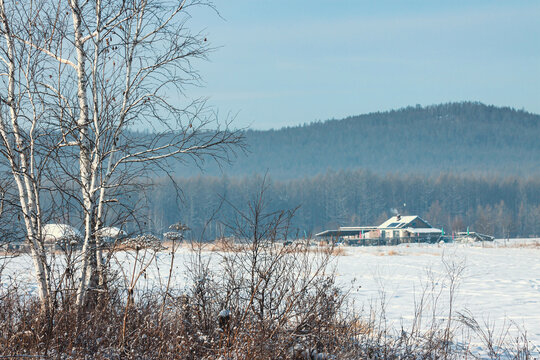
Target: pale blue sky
x: 290, y: 62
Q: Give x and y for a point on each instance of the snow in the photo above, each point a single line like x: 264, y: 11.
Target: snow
x: 111, y: 232
x: 424, y: 230
x: 56, y: 232
x: 499, y: 285
x: 401, y: 220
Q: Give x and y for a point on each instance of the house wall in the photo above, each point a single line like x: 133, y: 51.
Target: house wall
x: 374, y: 234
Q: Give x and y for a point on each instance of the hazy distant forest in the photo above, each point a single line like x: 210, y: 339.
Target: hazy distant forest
x: 456, y: 165
x: 458, y: 138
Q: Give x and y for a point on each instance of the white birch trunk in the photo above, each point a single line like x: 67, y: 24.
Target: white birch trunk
x: 163, y: 60
x: 85, y: 160
x: 96, y: 163
x: 22, y: 172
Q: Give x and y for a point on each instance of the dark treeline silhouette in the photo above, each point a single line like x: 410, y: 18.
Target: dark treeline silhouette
x: 453, y: 137
x: 503, y: 207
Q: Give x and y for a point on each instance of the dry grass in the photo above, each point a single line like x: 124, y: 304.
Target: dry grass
x: 389, y: 253
x: 528, y: 245
x: 311, y: 317
x: 327, y: 250
x: 507, y: 244
x: 225, y: 245
x: 338, y: 251
x: 229, y: 246
x: 189, y: 327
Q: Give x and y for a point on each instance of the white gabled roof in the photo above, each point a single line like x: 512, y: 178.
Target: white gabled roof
x: 56, y: 232
x: 400, y: 223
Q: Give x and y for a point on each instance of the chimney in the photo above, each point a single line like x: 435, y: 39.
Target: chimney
x: 398, y: 216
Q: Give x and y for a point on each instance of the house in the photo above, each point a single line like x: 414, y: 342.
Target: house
x: 64, y: 236
x: 396, y: 230
x: 55, y: 236
x: 60, y: 236
x: 53, y: 233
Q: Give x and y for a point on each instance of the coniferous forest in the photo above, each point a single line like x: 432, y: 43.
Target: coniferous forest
x: 503, y: 207
x: 466, y: 165
x: 465, y: 137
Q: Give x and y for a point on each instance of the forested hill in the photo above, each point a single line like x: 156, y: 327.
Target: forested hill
x: 454, y: 137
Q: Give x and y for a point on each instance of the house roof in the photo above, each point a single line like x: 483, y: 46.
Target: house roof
x: 328, y: 233
x: 413, y: 223
x: 56, y: 232
x: 424, y: 230
x: 398, y: 222
x: 346, y: 231
x: 402, y: 222
x: 356, y: 228
x: 473, y: 236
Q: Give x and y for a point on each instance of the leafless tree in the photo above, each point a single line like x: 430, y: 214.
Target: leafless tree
x: 104, y: 69
x: 265, y: 292
x: 22, y: 131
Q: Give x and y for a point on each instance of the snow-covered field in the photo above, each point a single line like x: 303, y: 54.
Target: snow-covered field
x: 499, y: 285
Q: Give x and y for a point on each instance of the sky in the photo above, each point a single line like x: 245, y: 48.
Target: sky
x: 284, y: 63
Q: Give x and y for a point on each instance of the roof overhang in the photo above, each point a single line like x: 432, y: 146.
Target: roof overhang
x: 423, y: 230
x: 344, y: 232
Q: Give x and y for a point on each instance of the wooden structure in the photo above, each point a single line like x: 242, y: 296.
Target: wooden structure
x: 470, y: 237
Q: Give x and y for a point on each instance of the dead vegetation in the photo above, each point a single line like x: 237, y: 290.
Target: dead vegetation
x: 535, y: 244
x: 389, y: 253
x: 257, y: 304
x: 261, y: 301
x: 266, y: 301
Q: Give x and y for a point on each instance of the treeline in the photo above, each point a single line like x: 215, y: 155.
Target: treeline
x: 503, y: 207
x: 453, y: 137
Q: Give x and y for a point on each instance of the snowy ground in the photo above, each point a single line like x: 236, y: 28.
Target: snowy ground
x: 499, y: 285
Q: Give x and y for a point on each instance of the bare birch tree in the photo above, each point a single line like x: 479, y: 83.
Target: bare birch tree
x: 21, y: 130
x: 112, y: 66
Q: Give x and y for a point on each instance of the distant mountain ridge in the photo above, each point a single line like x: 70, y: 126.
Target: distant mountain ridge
x: 453, y: 137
